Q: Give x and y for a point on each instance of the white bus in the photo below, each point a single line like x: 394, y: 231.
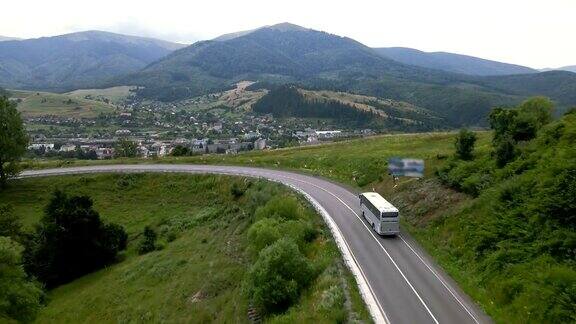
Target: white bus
x: 382, y: 215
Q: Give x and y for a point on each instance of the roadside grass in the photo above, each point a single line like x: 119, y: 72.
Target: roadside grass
x: 36, y: 104
x: 361, y: 163
x: 198, y: 274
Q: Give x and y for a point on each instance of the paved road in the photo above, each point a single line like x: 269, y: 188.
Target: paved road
x: 399, y: 281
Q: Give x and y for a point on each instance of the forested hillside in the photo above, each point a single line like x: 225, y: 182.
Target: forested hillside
x: 289, y: 101
x: 76, y: 60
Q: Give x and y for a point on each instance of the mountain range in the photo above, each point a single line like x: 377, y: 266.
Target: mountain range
x: 313, y: 59
x: 76, y: 60
x: 452, y: 62
x: 6, y: 38
x: 569, y: 68
x: 460, y: 89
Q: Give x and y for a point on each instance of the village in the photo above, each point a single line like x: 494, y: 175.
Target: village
x: 149, y: 147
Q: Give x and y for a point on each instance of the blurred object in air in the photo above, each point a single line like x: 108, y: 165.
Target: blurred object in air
x: 406, y: 167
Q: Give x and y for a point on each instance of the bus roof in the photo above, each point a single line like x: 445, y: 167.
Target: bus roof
x: 379, y: 202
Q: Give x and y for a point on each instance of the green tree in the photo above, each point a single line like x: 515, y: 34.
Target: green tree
x: 10, y: 225
x: 126, y: 148
x: 465, y: 144
x: 180, y: 150
x: 505, y: 150
x: 71, y: 240
x: 539, y: 109
x: 20, y: 297
x: 502, y: 121
x: 13, y: 139
x: 274, y: 282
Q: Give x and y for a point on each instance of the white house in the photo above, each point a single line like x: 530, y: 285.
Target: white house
x: 40, y: 146
x: 67, y: 148
x: 260, y: 144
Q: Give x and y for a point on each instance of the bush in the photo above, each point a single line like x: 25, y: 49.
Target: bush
x: 10, y: 225
x: 505, y: 150
x: 148, y: 242
x: 237, y: 190
x: 262, y: 234
x: 71, y: 241
x: 20, y: 298
x: 180, y: 150
x: 281, y: 208
x: 465, y: 144
x: 274, y: 282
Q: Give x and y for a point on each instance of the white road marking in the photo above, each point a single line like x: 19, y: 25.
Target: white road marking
x: 441, y: 281
x: 379, y: 243
x: 346, y: 250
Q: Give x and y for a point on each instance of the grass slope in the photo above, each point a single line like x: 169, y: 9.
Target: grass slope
x: 198, y: 275
x: 359, y: 162
x: 36, y: 104
x: 115, y: 95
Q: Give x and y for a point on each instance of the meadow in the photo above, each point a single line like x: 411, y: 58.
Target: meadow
x: 116, y: 95
x: 198, y: 273
x: 36, y: 104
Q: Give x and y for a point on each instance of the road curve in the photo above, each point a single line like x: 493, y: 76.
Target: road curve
x: 398, y: 280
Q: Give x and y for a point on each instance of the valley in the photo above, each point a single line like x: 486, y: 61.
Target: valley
x: 182, y: 176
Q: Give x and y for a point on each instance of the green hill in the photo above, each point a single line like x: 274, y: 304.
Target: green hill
x: 321, y: 61
x: 77, y: 60
x: 199, y: 271
x: 36, y: 104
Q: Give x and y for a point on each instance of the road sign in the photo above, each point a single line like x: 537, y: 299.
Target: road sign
x: 406, y: 167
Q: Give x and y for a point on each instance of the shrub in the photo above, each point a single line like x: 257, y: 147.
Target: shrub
x: 71, y: 241
x: 237, y: 190
x: 10, y: 225
x: 20, y: 298
x: 505, y: 150
x: 274, y: 282
x: 262, y: 234
x: 281, y: 208
x: 465, y: 144
x: 148, y: 242
x: 180, y: 150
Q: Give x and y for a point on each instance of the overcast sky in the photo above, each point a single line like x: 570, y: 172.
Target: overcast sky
x: 536, y: 33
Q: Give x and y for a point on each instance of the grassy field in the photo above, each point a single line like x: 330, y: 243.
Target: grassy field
x: 361, y: 163
x: 451, y: 225
x: 115, y: 95
x: 36, y: 104
x: 198, y: 275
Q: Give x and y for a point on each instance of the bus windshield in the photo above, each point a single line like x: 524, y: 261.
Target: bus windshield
x: 390, y: 215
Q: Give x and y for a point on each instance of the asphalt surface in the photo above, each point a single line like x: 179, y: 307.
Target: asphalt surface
x: 399, y: 281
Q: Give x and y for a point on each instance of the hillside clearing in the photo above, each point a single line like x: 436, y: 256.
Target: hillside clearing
x: 37, y: 104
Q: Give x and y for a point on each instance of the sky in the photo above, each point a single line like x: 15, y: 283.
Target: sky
x: 534, y: 33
